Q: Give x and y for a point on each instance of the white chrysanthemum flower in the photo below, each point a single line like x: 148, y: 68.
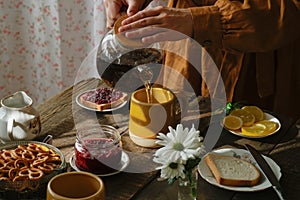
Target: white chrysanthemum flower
x: 169, y: 170
x: 179, y: 145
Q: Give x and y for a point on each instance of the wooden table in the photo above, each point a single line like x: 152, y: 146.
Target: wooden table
x: 61, y: 116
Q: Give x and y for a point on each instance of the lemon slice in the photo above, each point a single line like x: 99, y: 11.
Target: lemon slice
x: 247, y: 117
x: 232, y: 122
x: 270, y: 126
x: 261, y: 128
x: 254, y: 130
x: 256, y: 111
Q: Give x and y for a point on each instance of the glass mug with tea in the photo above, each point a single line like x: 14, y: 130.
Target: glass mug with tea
x: 151, y: 115
x: 97, y: 149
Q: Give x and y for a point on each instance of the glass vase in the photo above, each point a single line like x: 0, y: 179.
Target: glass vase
x: 187, y: 187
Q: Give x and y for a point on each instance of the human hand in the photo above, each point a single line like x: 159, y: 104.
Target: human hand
x: 159, y: 24
x: 114, y: 8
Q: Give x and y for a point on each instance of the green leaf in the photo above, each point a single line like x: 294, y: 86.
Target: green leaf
x: 232, y: 106
x: 171, y: 181
x: 228, y: 108
x: 191, y: 164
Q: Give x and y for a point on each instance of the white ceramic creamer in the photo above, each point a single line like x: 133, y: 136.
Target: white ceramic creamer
x: 18, y: 119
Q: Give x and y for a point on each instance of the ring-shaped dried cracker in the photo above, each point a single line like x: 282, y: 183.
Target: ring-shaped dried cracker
x: 40, y: 160
x: 19, y: 178
x: 4, y: 178
x: 27, y: 162
x: 20, y: 163
x: 13, y: 173
x: 28, y: 155
x: 32, y: 173
x: 37, y: 148
x: 47, y: 167
x: 55, y: 159
x: 7, y: 155
x: 6, y: 166
x: 17, y: 152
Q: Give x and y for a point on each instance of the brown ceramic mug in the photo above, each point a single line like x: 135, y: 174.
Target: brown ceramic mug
x: 75, y: 185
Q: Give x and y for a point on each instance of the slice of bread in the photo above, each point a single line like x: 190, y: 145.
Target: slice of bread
x: 103, y: 106
x: 232, y: 171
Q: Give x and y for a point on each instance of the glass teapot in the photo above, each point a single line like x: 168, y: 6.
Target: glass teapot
x: 119, y: 57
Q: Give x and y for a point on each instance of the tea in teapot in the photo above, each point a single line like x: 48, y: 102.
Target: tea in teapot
x: 118, y: 57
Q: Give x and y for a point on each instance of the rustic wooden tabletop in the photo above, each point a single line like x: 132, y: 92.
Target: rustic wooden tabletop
x: 61, y: 116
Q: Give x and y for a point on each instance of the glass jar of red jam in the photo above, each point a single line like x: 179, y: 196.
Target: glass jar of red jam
x: 97, y: 149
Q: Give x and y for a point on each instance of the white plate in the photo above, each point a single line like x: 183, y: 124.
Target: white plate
x: 268, y: 117
x: 124, y: 163
x: 93, y: 109
x: 244, y: 154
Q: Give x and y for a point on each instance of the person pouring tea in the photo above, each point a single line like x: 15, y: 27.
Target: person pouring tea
x: 254, y: 44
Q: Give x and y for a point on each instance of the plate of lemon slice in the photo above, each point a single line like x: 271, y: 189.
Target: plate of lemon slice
x: 251, y: 122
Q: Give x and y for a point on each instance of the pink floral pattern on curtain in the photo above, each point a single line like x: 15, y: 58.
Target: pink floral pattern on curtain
x: 43, y: 43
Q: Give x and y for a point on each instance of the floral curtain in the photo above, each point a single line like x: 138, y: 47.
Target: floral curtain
x: 43, y: 43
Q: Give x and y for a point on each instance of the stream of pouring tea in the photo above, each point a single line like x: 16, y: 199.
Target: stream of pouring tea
x: 146, y: 75
x: 148, y: 91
